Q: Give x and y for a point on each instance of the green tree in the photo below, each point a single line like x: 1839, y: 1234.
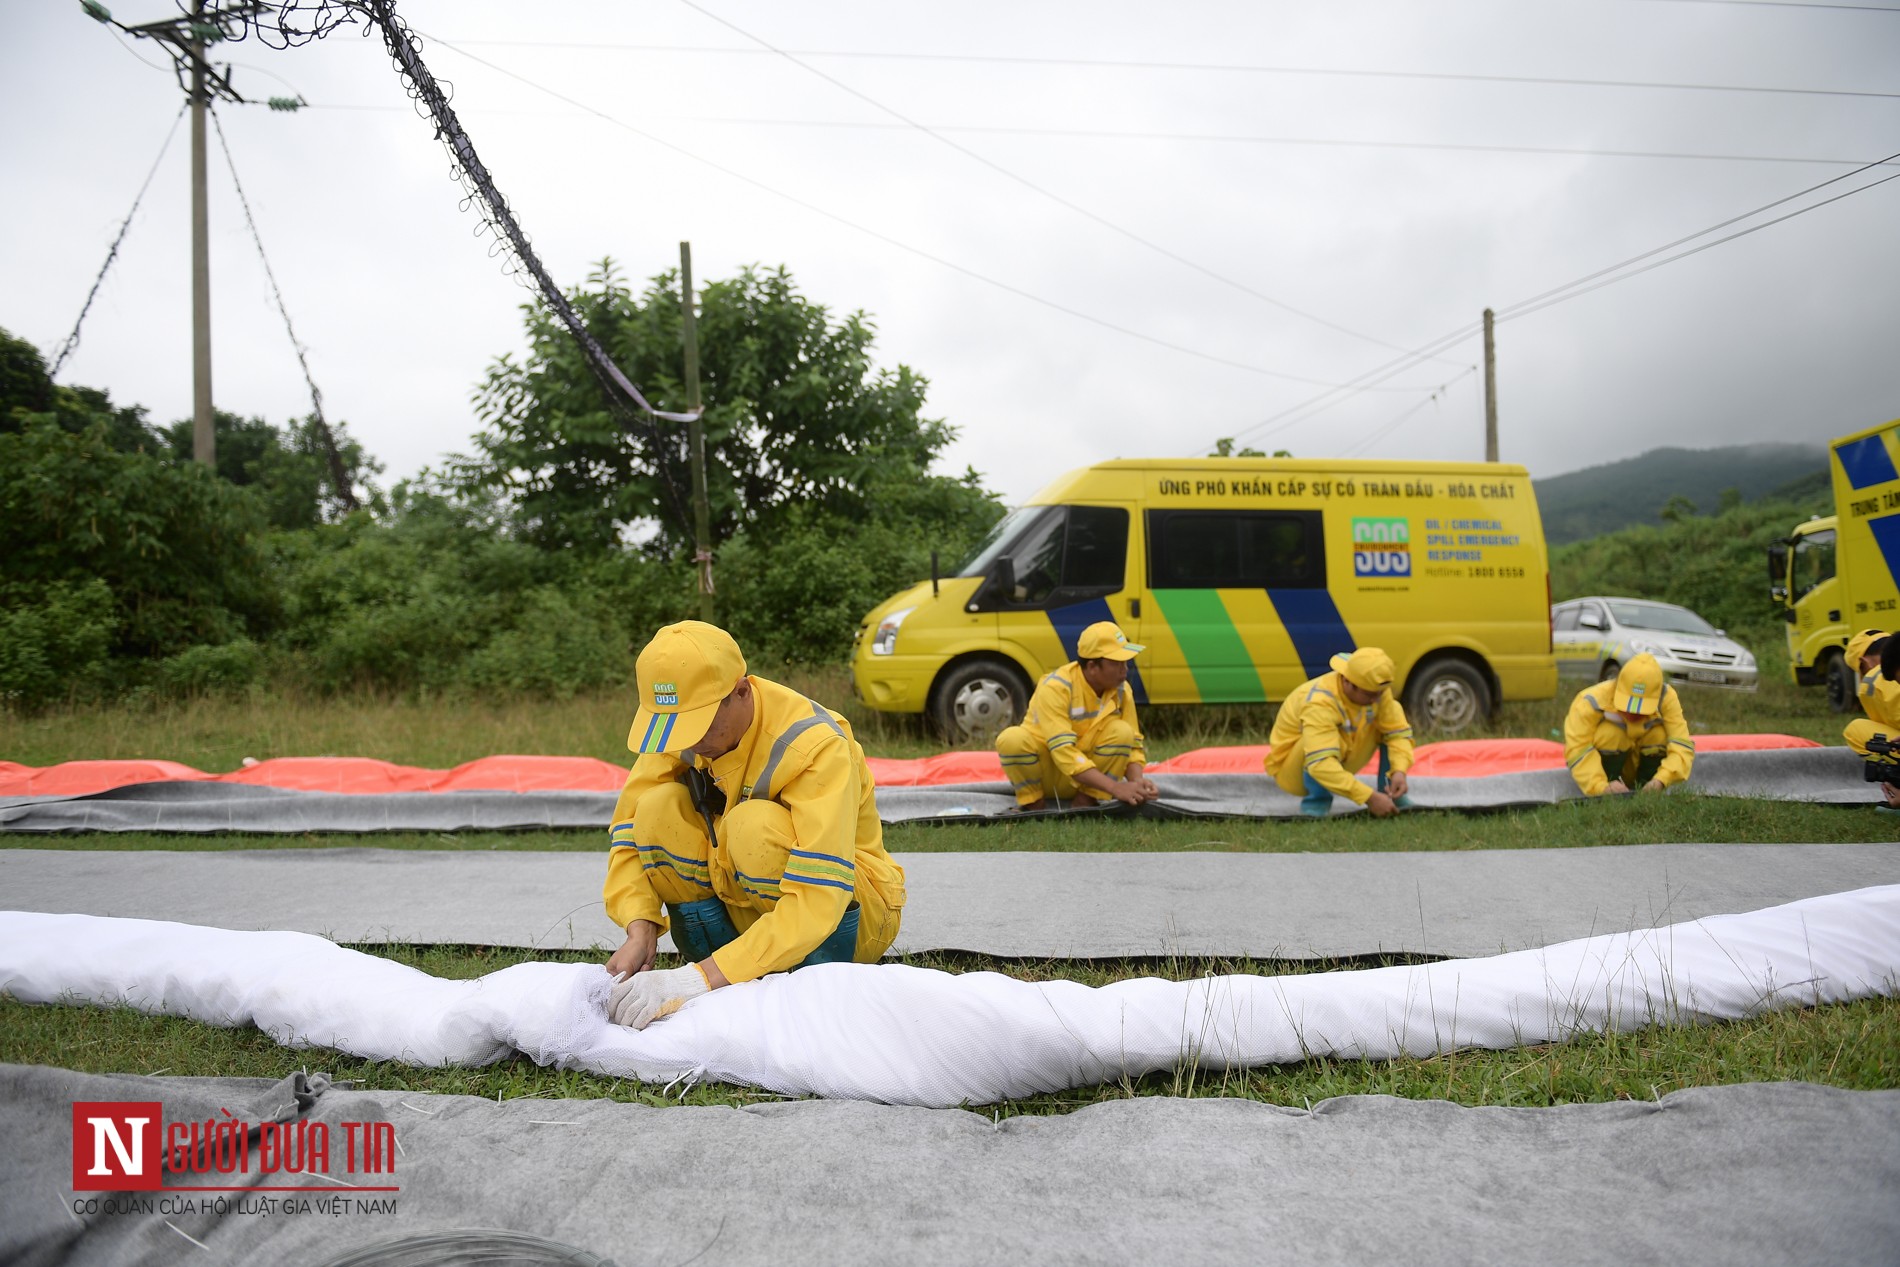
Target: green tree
x: 1678, y: 509
x: 797, y: 416
x: 27, y: 390
x: 180, y: 551
x: 287, y: 466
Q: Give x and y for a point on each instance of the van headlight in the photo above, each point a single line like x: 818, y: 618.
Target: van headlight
x: 885, y: 640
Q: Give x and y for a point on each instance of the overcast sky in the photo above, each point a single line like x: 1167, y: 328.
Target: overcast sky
x: 1394, y: 207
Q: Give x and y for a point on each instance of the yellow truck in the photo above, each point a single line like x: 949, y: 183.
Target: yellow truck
x: 1243, y: 577
x: 1834, y: 575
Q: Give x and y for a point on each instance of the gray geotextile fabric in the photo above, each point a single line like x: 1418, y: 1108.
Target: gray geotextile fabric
x: 1017, y: 904
x: 1759, y: 1173
x: 1830, y: 775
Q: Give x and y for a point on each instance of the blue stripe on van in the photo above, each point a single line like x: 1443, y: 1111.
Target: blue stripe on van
x: 1312, y: 620
x: 1867, y: 462
x: 1886, y: 530
x: 1069, y: 623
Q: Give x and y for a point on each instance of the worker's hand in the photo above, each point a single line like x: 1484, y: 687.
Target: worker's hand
x: 1892, y: 794
x: 1135, y: 791
x: 1654, y: 785
x: 1148, y: 788
x: 646, y: 997
x: 1616, y: 788
x: 636, y: 953
x: 1381, y: 806
x: 1397, y: 783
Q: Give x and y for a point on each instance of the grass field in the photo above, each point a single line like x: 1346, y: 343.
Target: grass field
x: 216, y: 733
x: 1680, y: 817
x: 1856, y: 1045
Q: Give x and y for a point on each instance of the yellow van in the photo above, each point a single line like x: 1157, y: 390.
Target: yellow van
x: 1243, y: 577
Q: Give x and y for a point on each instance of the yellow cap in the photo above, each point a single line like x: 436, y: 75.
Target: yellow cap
x: 1863, y: 644
x: 1639, y: 687
x: 1368, y: 668
x: 682, y: 676
x: 1104, y: 640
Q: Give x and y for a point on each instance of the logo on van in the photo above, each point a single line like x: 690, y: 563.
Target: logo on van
x: 1381, y: 547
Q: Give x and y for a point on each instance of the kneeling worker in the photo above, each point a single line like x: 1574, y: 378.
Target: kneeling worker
x: 749, y: 819
x: 1329, y: 727
x: 1628, y: 734
x: 1880, y: 701
x: 1079, y: 741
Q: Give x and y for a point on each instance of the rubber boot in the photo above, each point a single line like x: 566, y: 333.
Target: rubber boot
x: 701, y: 927
x: 1318, y: 802
x: 841, y: 946
x: 1385, y: 763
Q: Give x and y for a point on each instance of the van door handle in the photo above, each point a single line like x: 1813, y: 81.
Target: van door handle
x: 1134, y: 609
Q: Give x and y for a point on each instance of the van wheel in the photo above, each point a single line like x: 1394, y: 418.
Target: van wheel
x: 1609, y: 671
x: 978, y: 699
x: 1840, y: 685
x: 1447, y: 696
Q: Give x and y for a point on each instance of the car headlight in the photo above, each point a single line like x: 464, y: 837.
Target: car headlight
x: 1746, y: 661
x: 884, y: 642
x: 1643, y: 646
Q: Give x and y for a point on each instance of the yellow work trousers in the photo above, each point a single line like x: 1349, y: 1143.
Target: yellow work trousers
x: 1033, y: 773
x: 755, y: 837
x: 1861, y: 729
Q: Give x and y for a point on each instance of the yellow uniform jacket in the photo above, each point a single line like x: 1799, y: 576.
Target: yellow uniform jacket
x: 803, y: 756
x: 1590, y: 730
x: 1065, y: 715
x: 1880, y: 700
x: 1322, y: 733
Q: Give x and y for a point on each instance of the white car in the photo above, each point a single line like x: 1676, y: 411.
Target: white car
x: 1594, y: 636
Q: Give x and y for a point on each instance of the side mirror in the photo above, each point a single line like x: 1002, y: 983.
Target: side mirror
x: 1778, y: 571
x: 1588, y: 621
x: 1721, y: 633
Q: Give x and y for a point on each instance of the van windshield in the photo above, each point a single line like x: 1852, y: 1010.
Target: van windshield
x: 1001, y: 538
x: 1663, y: 619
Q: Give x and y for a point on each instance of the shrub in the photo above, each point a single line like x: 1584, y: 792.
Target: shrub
x: 54, y: 642
x: 210, y: 670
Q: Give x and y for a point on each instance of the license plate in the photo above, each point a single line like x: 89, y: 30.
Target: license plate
x: 1705, y: 675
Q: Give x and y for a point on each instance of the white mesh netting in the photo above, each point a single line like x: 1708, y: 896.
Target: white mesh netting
x: 906, y: 1035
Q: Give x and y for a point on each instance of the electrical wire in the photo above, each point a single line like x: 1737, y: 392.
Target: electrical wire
x: 1203, y: 67
x: 1394, y: 424
x: 1788, y: 4
x: 887, y: 239
x: 1325, y: 400
x: 339, y: 477
x: 72, y: 340
x: 1040, y: 190
x: 1093, y: 134
x: 1527, y: 309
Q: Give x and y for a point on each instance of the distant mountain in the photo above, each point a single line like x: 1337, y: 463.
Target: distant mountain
x: 1599, y: 499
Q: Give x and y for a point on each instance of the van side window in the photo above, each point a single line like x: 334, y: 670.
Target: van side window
x: 1097, y: 554
x: 1236, y: 549
x: 1069, y: 555
x: 1038, y: 560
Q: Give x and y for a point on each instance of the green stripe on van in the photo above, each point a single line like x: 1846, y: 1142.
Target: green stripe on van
x: 1216, y: 655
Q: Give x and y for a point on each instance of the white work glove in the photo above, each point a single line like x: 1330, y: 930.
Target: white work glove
x: 645, y: 997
